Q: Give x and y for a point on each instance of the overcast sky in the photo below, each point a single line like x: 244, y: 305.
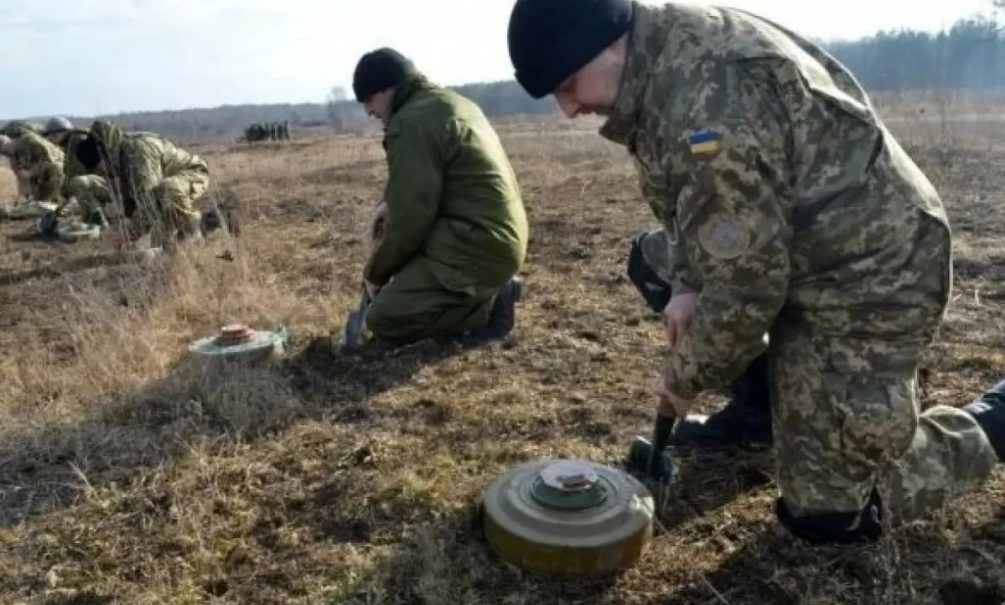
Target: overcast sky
x: 87, y: 57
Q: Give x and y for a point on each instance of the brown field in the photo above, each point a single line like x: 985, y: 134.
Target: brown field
x: 128, y: 475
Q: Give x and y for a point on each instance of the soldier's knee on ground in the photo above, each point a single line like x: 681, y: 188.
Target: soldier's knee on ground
x: 386, y: 322
x: 836, y: 527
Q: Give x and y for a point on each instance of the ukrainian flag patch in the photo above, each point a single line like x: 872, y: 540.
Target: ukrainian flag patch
x: 705, y: 141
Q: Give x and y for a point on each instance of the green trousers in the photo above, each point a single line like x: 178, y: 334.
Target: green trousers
x: 415, y: 305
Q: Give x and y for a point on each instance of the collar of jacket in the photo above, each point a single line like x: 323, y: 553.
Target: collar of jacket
x: 645, y: 41
x: 407, y: 89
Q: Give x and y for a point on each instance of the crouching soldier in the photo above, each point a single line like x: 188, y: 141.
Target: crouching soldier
x: 156, y: 183
x: 454, y: 232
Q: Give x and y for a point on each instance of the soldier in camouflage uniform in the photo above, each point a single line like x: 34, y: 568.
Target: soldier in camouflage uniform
x: 6, y: 146
x: 40, y: 163
x: 154, y: 183
x: 84, y: 192
x: 798, y: 227
x: 12, y: 130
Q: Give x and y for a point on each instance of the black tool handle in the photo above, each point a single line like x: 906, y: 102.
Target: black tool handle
x: 662, y: 430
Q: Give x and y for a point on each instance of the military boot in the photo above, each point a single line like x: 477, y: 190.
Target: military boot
x: 745, y: 420
x: 502, y: 318
x: 989, y: 411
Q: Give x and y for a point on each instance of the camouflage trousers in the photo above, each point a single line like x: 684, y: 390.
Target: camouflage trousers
x: 846, y: 421
x: 91, y: 192
x: 172, y: 209
x: 23, y: 186
x: 45, y: 181
x: 169, y: 209
x: 844, y: 426
x: 414, y: 305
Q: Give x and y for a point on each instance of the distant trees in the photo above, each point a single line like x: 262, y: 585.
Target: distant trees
x: 970, y: 56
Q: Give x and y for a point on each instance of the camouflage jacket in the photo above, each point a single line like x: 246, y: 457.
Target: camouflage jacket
x: 31, y: 150
x: 451, y: 193
x: 138, y: 162
x: 16, y: 128
x: 786, y: 199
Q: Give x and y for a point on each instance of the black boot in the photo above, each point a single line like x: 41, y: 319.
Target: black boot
x: 745, y: 420
x: 989, y: 411
x: 502, y: 318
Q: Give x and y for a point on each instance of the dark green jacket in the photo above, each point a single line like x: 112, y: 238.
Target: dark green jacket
x: 451, y: 193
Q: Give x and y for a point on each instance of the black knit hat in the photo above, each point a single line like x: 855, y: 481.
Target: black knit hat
x: 549, y: 40
x: 380, y: 70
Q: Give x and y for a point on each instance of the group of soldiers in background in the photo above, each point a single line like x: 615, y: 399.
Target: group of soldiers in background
x: 267, y: 131
x: 78, y: 182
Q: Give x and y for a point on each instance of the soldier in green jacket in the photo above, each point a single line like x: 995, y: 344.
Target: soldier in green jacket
x: 798, y: 228
x: 154, y: 183
x: 454, y: 234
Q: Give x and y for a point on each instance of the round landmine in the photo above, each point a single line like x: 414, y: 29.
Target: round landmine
x: 239, y: 342
x: 568, y: 517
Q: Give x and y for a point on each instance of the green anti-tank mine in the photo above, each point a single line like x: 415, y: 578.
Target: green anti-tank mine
x: 568, y: 517
x: 238, y: 342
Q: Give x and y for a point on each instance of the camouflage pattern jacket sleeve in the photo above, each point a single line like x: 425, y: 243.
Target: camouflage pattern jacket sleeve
x: 31, y: 150
x: 733, y: 224
x: 147, y: 159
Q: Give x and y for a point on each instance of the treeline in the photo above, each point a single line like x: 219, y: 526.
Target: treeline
x: 230, y: 121
x: 970, y: 56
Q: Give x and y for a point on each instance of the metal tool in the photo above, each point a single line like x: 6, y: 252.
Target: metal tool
x: 650, y: 457
x: 355, y: 323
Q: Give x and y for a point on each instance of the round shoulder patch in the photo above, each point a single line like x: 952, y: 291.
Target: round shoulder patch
x: 725, y: 238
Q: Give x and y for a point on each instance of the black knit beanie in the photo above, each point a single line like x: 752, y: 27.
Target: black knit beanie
x: 380, y: 70
x: 549, y: 40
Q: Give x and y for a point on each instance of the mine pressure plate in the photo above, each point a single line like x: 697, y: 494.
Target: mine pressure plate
x: 568, y: 517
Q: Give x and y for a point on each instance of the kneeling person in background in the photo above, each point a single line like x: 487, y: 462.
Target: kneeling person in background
x: 157, y: 182
x: 452, y: 232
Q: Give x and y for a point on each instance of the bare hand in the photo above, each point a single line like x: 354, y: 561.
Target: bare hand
x: 668, y: 403
x: 372, y: 290
x: 677, y: 316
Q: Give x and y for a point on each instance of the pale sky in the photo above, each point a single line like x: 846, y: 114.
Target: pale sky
x: 88, y: 57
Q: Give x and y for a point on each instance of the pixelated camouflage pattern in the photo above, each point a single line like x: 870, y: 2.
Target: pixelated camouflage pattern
x: 793, y: 212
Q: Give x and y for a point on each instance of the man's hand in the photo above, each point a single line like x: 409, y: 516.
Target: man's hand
x: 669, y: 404
x: 372, y: 290
x: 677, y: 316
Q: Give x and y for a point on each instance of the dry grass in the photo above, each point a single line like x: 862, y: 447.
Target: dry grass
x: 129, y: 475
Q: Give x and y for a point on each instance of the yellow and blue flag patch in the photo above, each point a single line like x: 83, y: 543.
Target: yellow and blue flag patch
x: 705, y: 141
